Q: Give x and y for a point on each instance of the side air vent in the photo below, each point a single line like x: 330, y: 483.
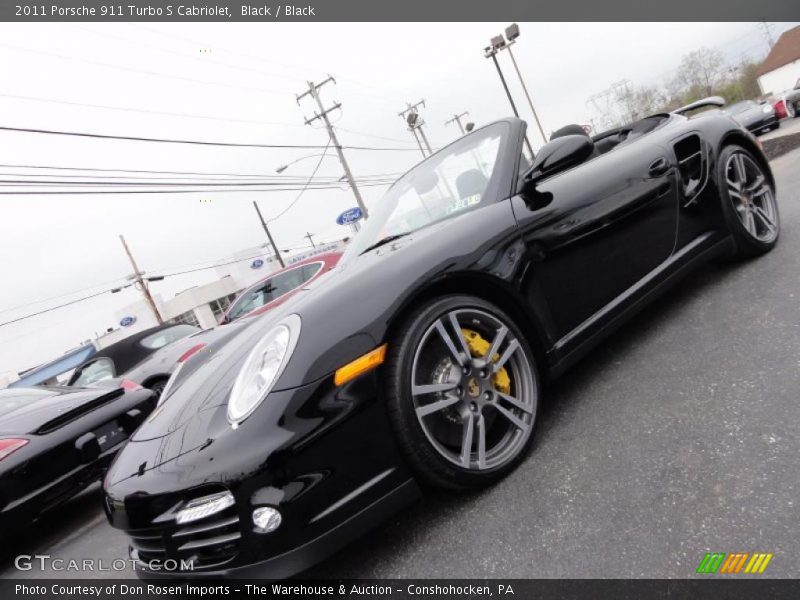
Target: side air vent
x: 692, y: 167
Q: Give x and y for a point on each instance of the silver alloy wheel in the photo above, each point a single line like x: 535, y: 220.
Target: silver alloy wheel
x: 752, y: 197
x: 461, y: 391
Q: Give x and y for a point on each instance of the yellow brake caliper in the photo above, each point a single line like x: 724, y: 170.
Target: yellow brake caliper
x: 478, y: 347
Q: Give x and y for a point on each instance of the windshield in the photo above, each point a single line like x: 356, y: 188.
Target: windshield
x: 169, y: 335
x: 272, y: 289
x: 450, y: 182
x: 739, y: 107
x: 100, y: 369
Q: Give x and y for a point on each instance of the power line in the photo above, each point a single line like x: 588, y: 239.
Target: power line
x: 305, y: 187
x: 46, y: 310
x: 183, y: 115
x: 195, y: 191
x: 191, y: 142
x: 16, y: 182
x: 109, y: 170
x: 144, y: 71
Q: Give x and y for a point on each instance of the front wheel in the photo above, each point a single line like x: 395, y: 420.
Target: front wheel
x: 462, y: 392
x: 748, y: 202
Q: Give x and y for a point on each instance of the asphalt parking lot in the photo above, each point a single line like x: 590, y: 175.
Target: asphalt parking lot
x: 677, y: 437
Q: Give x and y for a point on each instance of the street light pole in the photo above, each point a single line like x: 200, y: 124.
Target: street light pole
x: 525, y: 89
x: 491, y: 52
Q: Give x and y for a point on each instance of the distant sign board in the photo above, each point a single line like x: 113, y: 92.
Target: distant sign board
x: 257, y: 263
x: 351, y: 215
x: 332, y: 247
x: 127, y: 321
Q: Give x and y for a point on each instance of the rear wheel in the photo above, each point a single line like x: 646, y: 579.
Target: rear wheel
x: 462, y: 392
x: 748, y: 202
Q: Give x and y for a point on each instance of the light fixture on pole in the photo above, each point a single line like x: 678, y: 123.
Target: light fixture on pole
x: 282, y: 168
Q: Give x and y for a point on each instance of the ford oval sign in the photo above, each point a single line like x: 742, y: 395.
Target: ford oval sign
x: 257, y: 263
x: 127, y: 321
x: 351, y: 215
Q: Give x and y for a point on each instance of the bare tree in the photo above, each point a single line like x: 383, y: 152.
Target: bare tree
x: 701, y: 71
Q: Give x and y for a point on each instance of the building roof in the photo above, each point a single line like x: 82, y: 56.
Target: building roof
x: 786, y: 50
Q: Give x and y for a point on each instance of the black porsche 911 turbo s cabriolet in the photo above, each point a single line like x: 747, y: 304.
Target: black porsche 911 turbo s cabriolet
x: 420, y: 360
x: 55, y: 441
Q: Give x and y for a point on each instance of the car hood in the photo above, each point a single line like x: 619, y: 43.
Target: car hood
x: 26, y: 410
x: 343, y: 315
x: 164, y: 361
x: 751, y: 115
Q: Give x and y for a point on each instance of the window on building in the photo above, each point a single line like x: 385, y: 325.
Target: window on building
x: 188, y: 317
x: 220, y: 305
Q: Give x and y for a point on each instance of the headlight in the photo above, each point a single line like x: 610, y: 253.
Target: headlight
x: 262, y: 368
x: 767, y: 109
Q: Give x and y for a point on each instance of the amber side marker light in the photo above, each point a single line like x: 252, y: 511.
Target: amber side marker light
x: 361, y: 365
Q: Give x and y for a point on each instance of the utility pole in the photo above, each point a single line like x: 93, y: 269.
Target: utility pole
x: 767, y: 29
x: 269, y: 236
x: 313, y: 91
x: 140, y: 282
x: 457, y: 119
x: 415, y: 123
x: 525, y: 89
x: 309, y: 236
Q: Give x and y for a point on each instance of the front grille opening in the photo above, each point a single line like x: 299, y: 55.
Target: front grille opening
x: 209, y: 542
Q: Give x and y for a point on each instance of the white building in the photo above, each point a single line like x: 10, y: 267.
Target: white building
x: 781, y: 69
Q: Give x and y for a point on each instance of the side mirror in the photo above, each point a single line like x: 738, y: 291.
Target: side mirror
x: 558, y: 155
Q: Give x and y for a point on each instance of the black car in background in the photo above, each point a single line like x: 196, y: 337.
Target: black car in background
x: 119, y: 358
x: 155, y: 370
x: 55, y: 441
x: 756, y: 118
x: 477, y: 277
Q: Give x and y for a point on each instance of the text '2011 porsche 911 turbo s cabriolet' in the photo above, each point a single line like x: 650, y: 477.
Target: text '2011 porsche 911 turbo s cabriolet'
x: 420, y: 359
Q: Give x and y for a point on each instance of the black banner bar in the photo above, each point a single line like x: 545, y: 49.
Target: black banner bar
x: 407, y: 10
x: 732, y: 588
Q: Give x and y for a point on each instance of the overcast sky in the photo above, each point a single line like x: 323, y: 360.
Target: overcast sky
x: 55, y: 248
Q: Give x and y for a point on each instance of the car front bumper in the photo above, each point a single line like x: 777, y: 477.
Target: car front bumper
x: 329, y: 465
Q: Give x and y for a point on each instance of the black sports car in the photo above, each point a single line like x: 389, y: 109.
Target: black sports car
x: 757, y: 118
x: 54, y: 441
x: 421, y: 359
x: 129, y: 357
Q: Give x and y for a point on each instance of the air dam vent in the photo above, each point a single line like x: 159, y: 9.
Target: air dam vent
x: 692, y: 167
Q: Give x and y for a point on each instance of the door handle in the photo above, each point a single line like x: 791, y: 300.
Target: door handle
x: 658, y: 167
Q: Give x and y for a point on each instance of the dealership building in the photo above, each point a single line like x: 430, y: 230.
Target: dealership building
x: 780, y: 71
x: 200, y: 305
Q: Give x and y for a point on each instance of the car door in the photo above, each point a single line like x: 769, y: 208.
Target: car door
x: 595, y: 230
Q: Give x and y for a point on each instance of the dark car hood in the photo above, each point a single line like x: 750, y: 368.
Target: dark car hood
x: 751, y: 115
x: 163, y: 361
x: 367, y: 288
x: 39, y: 405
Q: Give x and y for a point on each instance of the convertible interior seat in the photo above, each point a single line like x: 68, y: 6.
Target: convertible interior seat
x: 471, y: 183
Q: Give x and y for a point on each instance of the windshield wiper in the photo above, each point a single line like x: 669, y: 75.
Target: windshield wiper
x: 385, y: 240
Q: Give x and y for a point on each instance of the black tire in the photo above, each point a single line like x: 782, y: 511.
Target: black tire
x: 430, y: 466
x: 747, y: 243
